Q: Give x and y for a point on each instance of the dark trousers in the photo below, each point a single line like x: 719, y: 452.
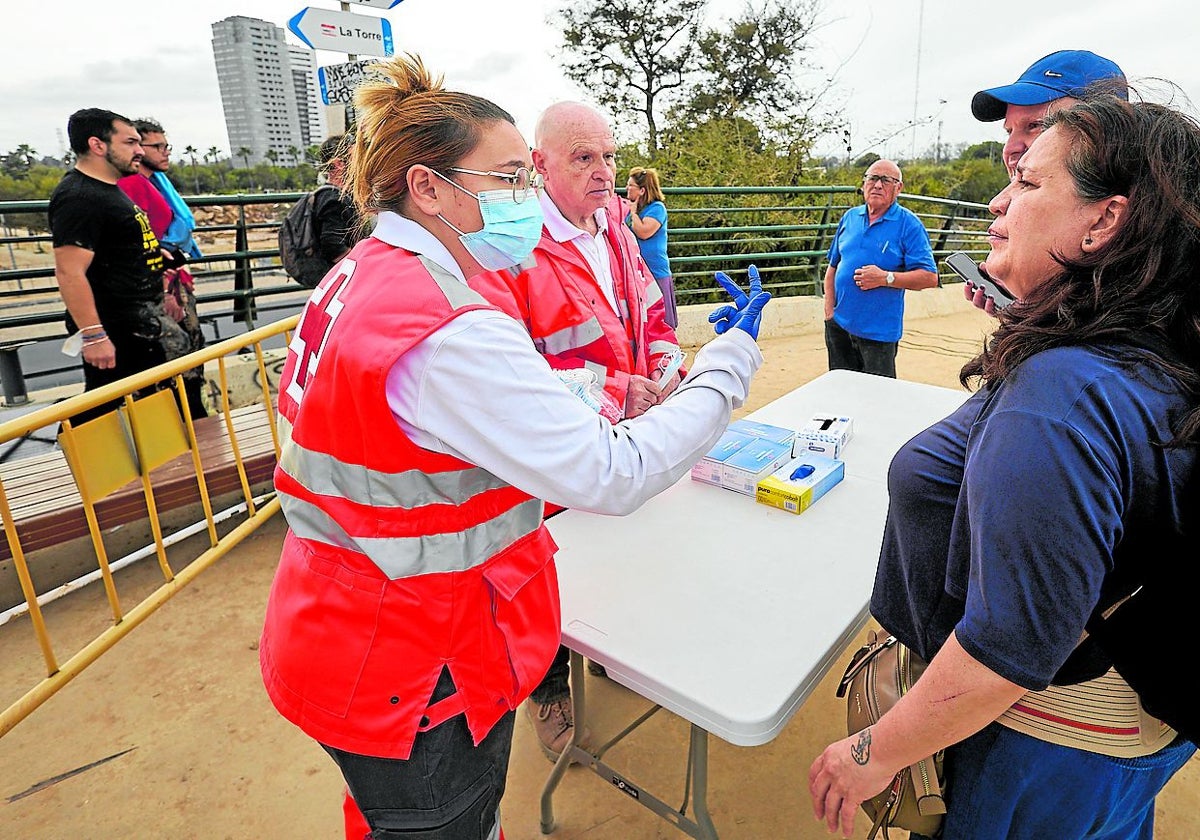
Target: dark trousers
x: 447, y: 789
x: 134, y: 355
x: 556, y: 684
x: 850, y: 352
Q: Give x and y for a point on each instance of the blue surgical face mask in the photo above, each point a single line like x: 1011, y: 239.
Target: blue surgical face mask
x: 510, y: 231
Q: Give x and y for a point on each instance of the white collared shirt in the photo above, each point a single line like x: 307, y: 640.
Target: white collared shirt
x: 593, y: 248
x: 477, y: 389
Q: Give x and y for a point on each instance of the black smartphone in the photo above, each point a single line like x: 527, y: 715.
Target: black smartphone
x: 966, y: 268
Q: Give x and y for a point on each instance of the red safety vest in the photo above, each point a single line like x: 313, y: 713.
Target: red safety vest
x: 398, y: 561
x: 558, y: 299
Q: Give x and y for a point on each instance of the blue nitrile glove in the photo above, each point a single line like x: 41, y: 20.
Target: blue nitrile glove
x: 724, y: 318
x: 749, y: 318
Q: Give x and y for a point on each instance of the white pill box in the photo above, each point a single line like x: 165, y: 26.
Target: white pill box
x: 824, y: 434
x: 797, y: 494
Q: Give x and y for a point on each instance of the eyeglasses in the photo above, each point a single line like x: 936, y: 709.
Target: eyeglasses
x: 880, y: 179
x: 165, y: 148
x: 523, y: 180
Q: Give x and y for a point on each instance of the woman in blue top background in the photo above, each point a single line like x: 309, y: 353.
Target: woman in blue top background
x: 646, y: 215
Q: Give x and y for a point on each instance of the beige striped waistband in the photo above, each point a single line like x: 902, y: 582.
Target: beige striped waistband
x: 1103, y: 715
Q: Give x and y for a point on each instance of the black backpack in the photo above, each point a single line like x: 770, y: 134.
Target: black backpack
x: 299, y: 242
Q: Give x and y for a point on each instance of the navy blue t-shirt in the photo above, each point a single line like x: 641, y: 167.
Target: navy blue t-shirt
x: 1005, y: 517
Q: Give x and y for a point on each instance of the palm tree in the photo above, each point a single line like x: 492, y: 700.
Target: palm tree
x: 273, y: 156
x: 191, y: 152
x: 244, y: 153
x: 213, y: 156
x: 294, y: 152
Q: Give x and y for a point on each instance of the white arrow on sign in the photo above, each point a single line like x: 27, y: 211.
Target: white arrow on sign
x: 338, y: 81
x: 378, y: 4
x: 324, y: 29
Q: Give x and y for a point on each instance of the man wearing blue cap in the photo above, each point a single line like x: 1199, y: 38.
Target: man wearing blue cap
x: 1050, y: 83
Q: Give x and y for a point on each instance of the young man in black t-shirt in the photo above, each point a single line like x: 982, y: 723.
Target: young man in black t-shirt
x: 106, y: 258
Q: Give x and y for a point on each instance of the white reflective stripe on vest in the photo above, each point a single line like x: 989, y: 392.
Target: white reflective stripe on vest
x: 600, y: 370
x: 653, y: 294
x: 570, y: 338
x: 400, y: 557
x: 458, y: 293
x: 325, y: 475
x: 657, y: 347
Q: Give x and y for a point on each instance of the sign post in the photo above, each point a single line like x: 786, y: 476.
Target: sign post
x: 343, y: 31
x: 324, y: 29
x: 338, y: 81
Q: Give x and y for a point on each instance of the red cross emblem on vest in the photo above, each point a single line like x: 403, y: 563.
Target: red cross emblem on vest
x: 320, y: 314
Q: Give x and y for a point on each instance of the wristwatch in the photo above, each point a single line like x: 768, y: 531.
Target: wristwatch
x: 891, y: 278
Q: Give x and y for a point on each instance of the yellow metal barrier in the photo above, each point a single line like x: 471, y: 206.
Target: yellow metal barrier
x: 105, y: 457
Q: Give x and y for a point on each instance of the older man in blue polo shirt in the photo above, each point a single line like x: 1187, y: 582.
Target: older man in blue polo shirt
x: 880, y: 251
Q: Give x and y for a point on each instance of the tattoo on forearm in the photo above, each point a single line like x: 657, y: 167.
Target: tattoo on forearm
x: 861, y: 752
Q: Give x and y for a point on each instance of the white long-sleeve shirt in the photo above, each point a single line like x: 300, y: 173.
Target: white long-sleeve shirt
x: 477, y: 389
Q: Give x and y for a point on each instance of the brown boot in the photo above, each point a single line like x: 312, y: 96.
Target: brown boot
x: 553, y: 723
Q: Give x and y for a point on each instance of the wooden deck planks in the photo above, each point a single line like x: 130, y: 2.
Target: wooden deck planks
x: 48, y: 509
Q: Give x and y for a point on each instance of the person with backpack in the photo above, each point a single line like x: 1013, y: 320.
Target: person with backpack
x: 322, y: 227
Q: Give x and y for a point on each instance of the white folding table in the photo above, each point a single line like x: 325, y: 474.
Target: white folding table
x: 725, y: 611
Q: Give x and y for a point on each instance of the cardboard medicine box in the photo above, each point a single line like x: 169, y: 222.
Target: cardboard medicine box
x: 824, y: 434
x: 778, y: 434
x: 814, y: 475
x: 708, y: 469
x: 754, y: 461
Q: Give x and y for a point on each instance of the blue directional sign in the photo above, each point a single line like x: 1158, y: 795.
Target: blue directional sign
x: 325, y: 29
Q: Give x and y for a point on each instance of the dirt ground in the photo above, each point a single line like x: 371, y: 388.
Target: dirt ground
x: 196, y: 751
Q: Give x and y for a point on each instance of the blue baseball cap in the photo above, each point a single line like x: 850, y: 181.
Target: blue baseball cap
x: 1062, y: 73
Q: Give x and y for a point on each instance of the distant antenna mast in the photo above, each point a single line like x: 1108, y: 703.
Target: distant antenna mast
x: 62, y: 145
x: 917, y: 81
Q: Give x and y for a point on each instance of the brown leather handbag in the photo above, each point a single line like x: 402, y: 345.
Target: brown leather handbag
x: 878, y: 675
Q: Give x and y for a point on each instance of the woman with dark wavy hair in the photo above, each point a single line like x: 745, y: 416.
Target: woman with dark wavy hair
x: 1064, y: 484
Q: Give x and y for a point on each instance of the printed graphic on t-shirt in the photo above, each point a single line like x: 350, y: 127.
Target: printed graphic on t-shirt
x: 150, y: 246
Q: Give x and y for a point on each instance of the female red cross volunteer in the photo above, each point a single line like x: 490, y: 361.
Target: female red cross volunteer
x: 416, y: 603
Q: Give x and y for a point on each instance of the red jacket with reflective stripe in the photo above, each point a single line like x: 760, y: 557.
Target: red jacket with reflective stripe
x: 398, y: 560
x: 571, y: 323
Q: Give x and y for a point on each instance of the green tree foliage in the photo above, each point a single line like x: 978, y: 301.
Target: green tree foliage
x: 19, y: 161
x: 748, y: 66
x: 631, y: 55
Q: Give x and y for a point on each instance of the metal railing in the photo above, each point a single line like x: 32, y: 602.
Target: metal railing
x: 785, y: 231
x: 135, y: 453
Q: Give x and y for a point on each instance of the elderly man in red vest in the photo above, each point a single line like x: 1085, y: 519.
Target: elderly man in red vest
x: 589, y: 302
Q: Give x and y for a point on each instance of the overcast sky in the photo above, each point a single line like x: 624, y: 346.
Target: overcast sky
x: 891, y: 60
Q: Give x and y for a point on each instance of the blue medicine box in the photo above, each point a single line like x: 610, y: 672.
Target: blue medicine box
x: 708, y: 469
x: 757, y: 459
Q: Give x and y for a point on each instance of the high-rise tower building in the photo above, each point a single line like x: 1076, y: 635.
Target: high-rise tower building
x: 268, y: 90
x: 309, y: 107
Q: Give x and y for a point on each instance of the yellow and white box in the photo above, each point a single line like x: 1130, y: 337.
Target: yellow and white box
x: 824, y: 434
x: 796, y: 485
x: 756, y: 460
x: 708, y: 469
